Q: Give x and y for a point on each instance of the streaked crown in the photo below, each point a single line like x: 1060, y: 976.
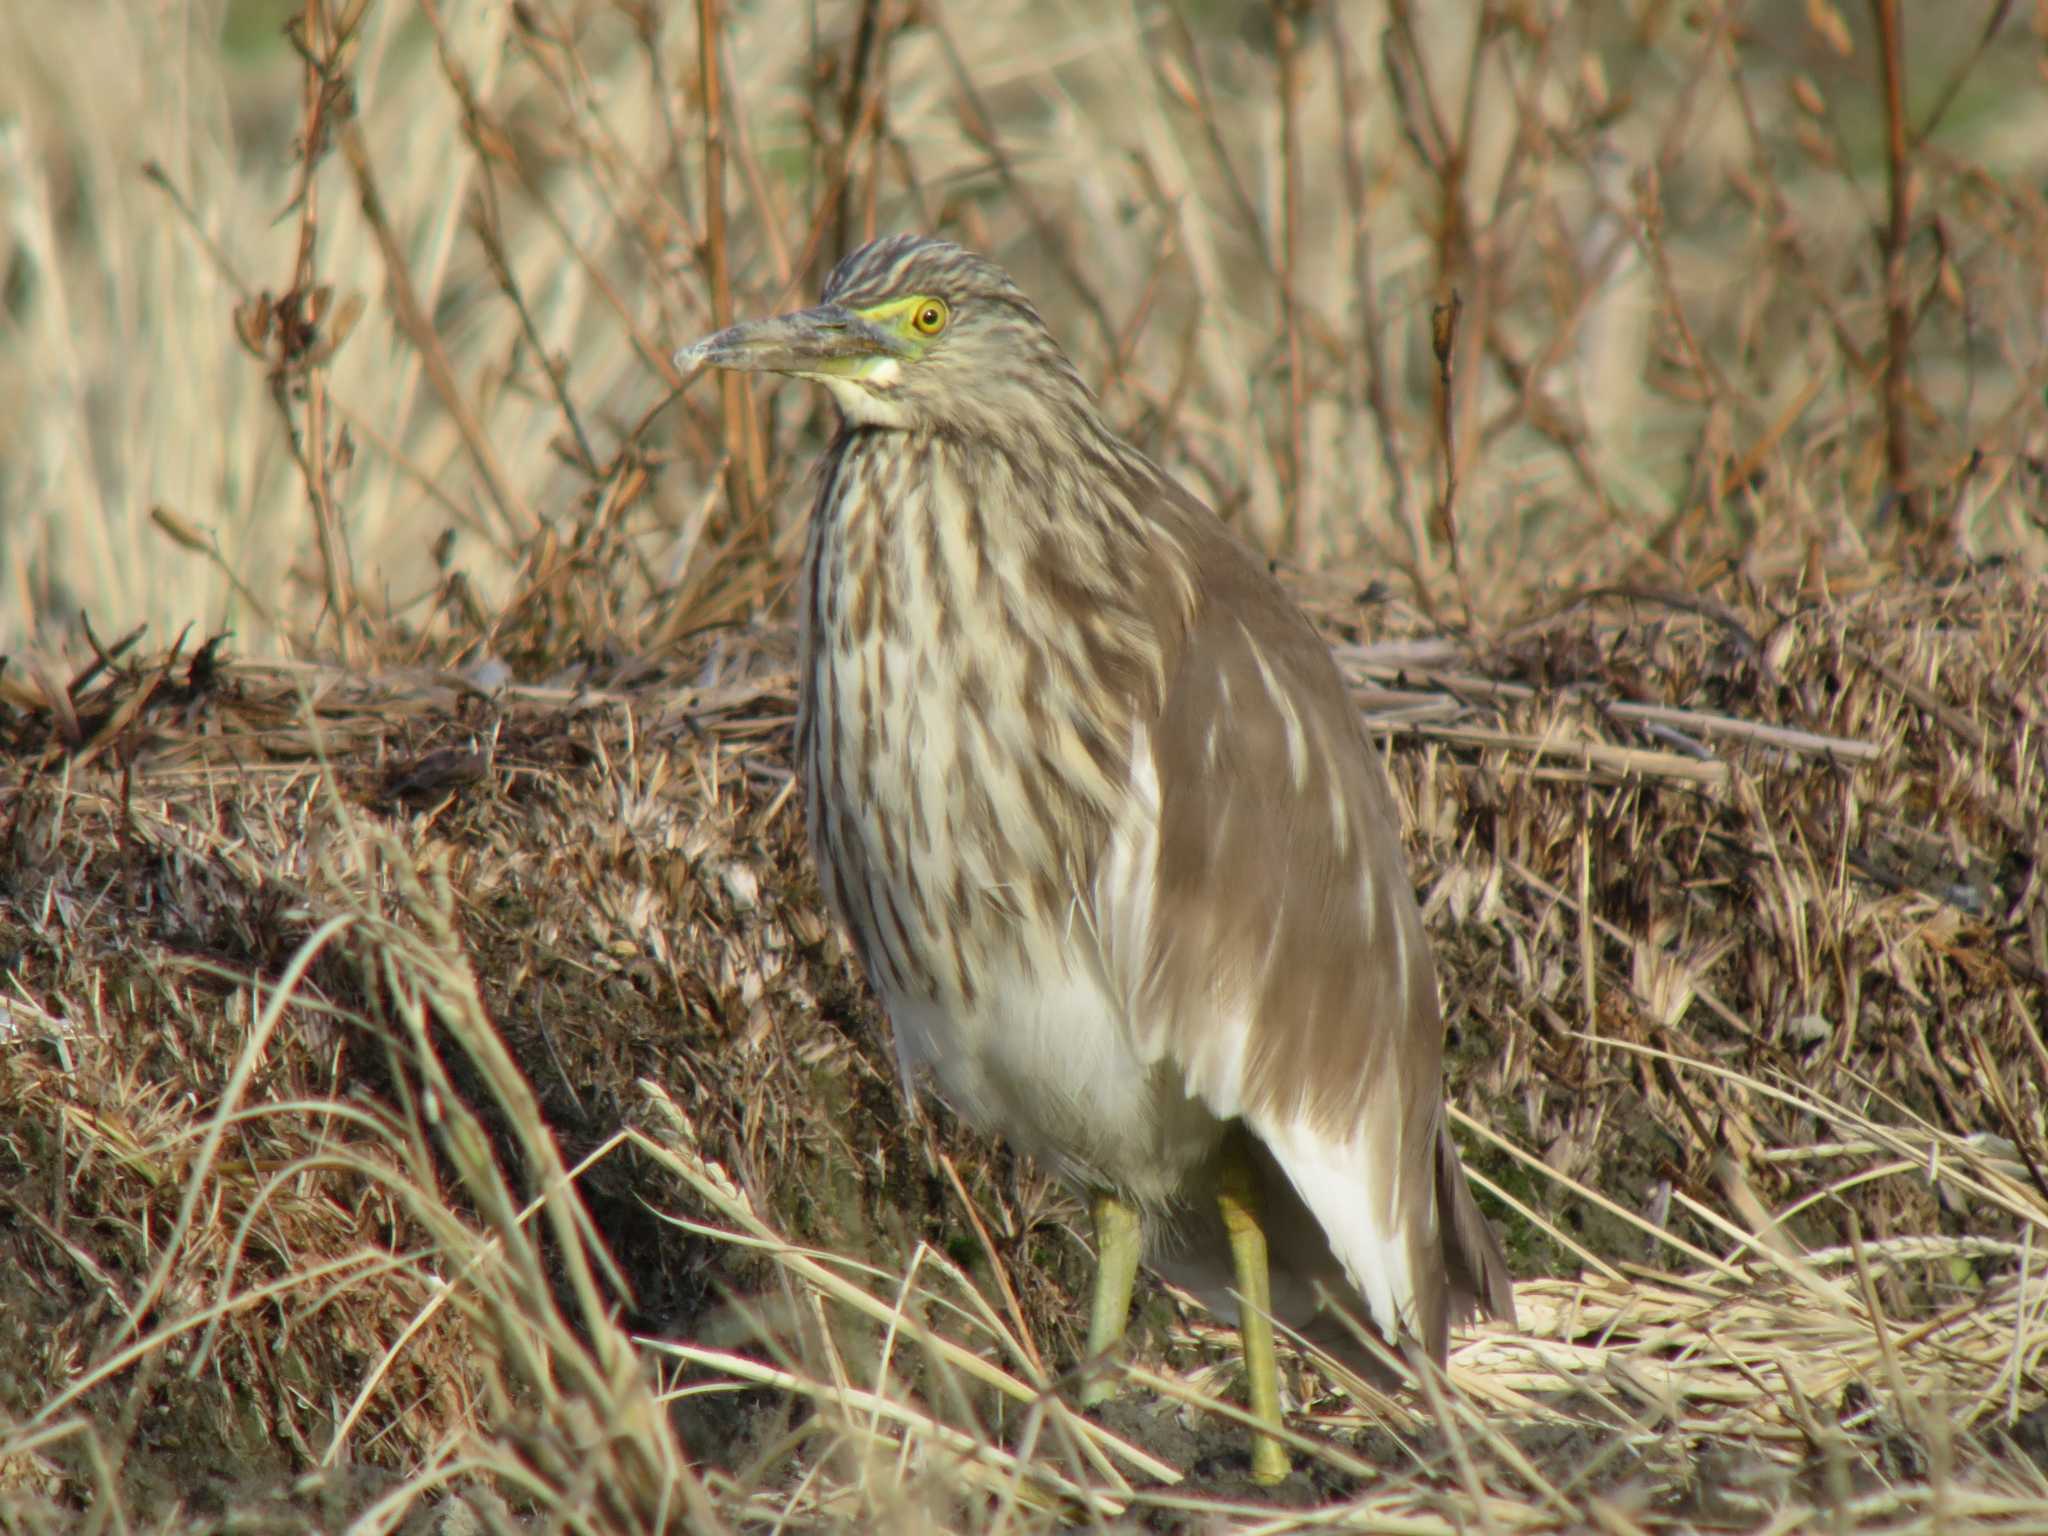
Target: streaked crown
x: 978, y: 358
x: 902, y: 266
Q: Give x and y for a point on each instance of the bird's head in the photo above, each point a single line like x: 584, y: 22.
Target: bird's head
x: 913, y: 333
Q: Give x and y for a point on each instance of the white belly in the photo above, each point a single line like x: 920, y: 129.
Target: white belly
x: 1047, y: 1061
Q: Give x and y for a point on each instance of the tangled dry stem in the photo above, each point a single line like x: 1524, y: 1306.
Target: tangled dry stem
x: 1742, y: 938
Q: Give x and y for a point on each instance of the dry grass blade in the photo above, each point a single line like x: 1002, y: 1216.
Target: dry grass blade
x: 823, y: 1274
x: 599, y: 1450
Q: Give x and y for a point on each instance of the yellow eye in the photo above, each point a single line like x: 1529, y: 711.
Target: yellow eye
x: 930, y: 316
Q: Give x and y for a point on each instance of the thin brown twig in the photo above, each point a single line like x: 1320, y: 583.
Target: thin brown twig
x: 1201, y: 97
x: 1373, y: 372
x: 483, y: 223
x: 1443, y: 337
x: 979, y: 124
x: 747, y: 478
x: 1018, y: 1320
x: 1287, y: 50
x: 1414, y: 96
x: 1119, y: 360
x: 1966, y: 730
x: 1892, y: 240
x: 320, y: 52
x: 1994, y: 22
x: 854, y: 106
x: 768, y: 213
x: 517, y: 520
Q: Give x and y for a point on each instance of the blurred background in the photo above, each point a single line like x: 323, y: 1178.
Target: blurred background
x: 346, y: 327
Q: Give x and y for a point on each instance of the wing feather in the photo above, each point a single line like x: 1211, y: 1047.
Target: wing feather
x: 1284, y: 965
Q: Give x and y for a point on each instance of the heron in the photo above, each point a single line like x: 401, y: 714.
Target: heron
x: 1089, y: 796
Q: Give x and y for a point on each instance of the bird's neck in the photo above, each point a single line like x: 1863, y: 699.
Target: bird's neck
x: 1046, y: 542
x: 1026, y: 588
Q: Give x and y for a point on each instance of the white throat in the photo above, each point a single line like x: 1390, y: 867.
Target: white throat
x: 858, y: 400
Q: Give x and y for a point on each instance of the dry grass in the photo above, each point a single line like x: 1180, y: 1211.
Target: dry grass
x: 430, y: 1090
x: 1779, y: 1196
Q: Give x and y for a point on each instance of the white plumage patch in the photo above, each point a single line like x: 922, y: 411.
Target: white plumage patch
x: 1124, y: 880
x: 1336, y: 1181
x: 861, y: 405
x: 1052, y: 1065
x: 1125, y: 914
x: 1290, y: 717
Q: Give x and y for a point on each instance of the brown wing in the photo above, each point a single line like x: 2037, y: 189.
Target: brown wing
x: 1287, y: 970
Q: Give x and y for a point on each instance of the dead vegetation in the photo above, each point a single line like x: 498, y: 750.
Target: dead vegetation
x: 1751, y: 1058
x: 430, y: 1091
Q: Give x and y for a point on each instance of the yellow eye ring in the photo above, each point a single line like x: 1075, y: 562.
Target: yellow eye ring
x: 930, y: 317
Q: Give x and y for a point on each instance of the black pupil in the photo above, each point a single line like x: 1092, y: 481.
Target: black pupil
x: 929, y: 318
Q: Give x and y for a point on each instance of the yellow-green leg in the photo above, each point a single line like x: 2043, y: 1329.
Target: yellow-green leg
x: 1116, y: 1271
x: 1239, y: 1201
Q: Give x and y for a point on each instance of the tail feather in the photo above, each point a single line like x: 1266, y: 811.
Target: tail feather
x: 1475, y: 1269
x: 1312, y: 1291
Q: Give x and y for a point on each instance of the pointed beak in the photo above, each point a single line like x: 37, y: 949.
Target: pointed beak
x: 827, y: 340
